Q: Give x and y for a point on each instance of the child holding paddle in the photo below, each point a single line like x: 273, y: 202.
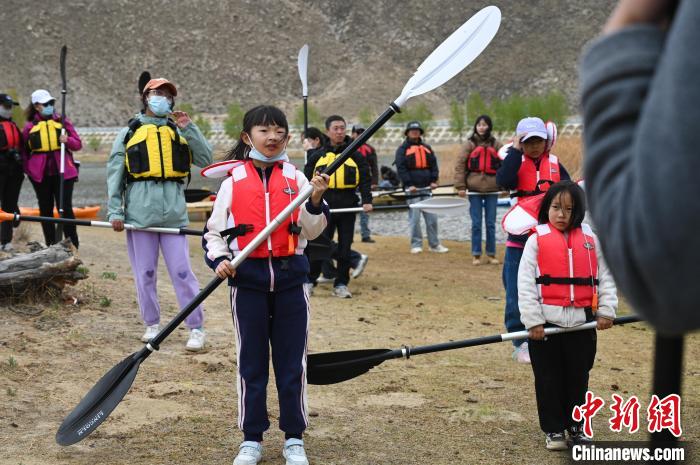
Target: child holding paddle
x: 563, y: 281
x: 269, y: 302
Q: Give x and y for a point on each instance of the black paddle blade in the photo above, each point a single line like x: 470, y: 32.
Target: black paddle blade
x: 336, y: 367
x: 143, y: 80
x: 62, y: 62
x: 97, y: 404
x: 197, y: 195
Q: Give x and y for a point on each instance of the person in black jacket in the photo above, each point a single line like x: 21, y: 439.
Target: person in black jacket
x: 11, y: 174
x: 370, y: 154
x: 342, y: 193
x: 418, y: 170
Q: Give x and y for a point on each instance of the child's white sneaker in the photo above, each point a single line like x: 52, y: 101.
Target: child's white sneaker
x: 151, y: 332
x: 249, y: 453
x: 294, y: 452
x: 522, y: 353
x: 555, y: 441
x: 195, y: 343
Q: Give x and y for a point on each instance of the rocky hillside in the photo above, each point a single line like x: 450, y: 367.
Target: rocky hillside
x: 245, y: 51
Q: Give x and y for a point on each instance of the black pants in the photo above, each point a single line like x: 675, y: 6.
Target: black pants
x: 47, y: 193
x: 561, y: 364
x: 345, y: 224
x: 11, y: 178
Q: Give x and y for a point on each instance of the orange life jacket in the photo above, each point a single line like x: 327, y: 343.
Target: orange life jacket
x: 483, y: 160
x: 417, y: 157
x: 532, y: 179
x: 255, y: 202
x: 567, y: 267
x: 9, y: 136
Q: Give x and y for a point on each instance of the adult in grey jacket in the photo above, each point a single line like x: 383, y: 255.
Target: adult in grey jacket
x: 641, y: 116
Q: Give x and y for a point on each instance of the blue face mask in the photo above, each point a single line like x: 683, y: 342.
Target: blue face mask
x: 47, y: 110
x: 256, y: 155
x: 159, y: 105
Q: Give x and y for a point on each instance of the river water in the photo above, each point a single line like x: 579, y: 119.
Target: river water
x: 91, y: 189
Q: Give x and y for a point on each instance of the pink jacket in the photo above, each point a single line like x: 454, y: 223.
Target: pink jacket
x: 38, y: 165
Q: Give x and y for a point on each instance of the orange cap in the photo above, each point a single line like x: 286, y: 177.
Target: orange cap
x: 160, y: 82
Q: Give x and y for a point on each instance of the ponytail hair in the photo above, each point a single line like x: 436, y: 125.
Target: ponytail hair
x: 262, y: 115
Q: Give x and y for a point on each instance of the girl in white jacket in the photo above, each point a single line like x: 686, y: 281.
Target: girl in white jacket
x: 563, y: 281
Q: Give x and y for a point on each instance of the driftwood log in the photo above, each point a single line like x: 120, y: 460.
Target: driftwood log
x: 54, y: 267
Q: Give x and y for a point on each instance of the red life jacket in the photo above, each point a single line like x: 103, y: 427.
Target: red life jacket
x: 365, y: 150
x: 254, y: 203
x: 9, y: 136
x: 567, y: 267
x: 483, y: 160
x: 533, y: 180
x: 417, y: 157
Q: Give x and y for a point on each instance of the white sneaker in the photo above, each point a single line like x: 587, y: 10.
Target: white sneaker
x: 416, y: 249
x: 439, y: 249
x: 151, y: 332
x: 360, y: 267
x: 7, y: 247
x: 522, y: 353
x: 249, y: 453
x: 342, y: 291
x: 196, y: 341
x: 309, y: 288
x: 322, y: 280
x: 294, y: 452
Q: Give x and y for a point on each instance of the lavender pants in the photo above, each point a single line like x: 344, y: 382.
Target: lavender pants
x: 143, y: 249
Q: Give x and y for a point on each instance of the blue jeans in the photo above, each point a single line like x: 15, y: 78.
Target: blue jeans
x: 364, y: 225
x: 477, y: 204
x: 511, y: 262
x: 414, y: 222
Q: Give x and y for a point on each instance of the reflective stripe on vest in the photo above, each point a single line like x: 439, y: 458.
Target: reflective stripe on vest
x: 561, y: 258
x: 256, y: 202
x: 530, y: 176
x: 157, y: 153
x: 347, y: 176
x: 417, y: 157
x: 483, y: 160
x: 9, y: 136
x: 43, y: 136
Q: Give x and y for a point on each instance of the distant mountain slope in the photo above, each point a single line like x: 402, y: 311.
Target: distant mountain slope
x: 218, y: 52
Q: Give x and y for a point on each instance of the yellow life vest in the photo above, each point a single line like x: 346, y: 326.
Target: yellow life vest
x: 156, y: 153
x: 347, y: 176
x: 43, y: 137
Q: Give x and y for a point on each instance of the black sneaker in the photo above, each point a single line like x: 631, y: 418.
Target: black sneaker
x: 577, y: 437
x: 369, y: 240
x: 555, y: 441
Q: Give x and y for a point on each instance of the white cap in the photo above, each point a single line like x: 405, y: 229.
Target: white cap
x: 534, y: 127
x: 41, y: 96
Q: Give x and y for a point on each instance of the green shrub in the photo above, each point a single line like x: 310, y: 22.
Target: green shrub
x: 233, y: 124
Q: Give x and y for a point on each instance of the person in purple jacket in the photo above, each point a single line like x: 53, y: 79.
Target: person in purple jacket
x: 42, y: 161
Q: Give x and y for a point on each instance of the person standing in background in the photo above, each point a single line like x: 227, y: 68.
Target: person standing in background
x: 476, y: 171
x: 42, y: 160
x: 11, y: 174
x: 370, y: 155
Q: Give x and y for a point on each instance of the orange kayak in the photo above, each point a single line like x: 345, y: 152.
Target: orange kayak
x: 80, y: 212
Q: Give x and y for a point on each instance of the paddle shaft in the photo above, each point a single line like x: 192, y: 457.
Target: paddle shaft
x: 61, y: 186
x: 306, y: 116
x: 103, y: 224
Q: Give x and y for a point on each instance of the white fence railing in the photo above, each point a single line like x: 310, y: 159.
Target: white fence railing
x: 390, y: 136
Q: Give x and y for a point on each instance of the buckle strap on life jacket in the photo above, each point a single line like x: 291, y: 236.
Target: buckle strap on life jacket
x: 236, y: 231
x: 547, y: 280
x: 294, y: 228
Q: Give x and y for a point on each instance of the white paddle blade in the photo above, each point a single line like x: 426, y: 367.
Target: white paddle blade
x: 454, y: 54
x: 302, y: 64
x: 448, y: 206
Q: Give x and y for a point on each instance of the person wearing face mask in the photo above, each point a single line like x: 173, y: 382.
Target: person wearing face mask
x: 42, y: 161
x: 11, y: 175
x: 527, y: 170
x: 146, y: 176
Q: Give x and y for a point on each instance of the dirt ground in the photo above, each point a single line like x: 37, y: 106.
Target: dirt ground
x: 463, y: 406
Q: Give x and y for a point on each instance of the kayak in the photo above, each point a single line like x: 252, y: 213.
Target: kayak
x: 80, y: 212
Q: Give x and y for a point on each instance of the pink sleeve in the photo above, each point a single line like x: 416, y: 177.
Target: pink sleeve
x: 74, y: 143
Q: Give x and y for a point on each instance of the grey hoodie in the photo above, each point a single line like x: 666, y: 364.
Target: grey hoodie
x: 642, y: 119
